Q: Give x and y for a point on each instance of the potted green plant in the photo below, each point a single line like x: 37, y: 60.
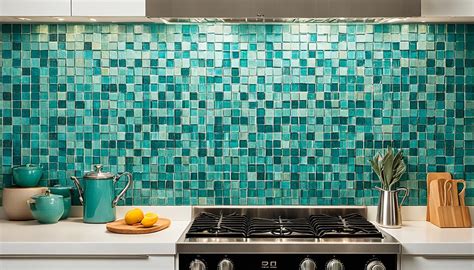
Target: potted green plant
x: 389, y: 168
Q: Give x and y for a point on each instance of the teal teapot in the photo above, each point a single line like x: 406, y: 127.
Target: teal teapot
x: 98, y: 194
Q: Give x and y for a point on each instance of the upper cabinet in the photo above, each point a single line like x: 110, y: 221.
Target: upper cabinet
x: 109, y: 8
x: 26, y: 8
x: 440, y: 8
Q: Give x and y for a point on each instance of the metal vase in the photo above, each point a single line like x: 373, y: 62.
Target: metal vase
x: 388, y: 210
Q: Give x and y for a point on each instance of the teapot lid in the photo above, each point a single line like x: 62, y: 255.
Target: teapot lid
x: 98, y: 174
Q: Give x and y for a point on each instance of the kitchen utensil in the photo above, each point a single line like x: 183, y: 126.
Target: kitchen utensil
x: 66, y: 193
x: 450, y: 216
x: 429, y: 178
x: 121, y: 227
x: 27, y: 175
x: 459, y: 200
x: 14, y: 202
x: 388, y: 210
x: 47, y: 208
x: 447, y: 206
x: 98, y: 194
x: 436, y: 199
x: 466, y: 216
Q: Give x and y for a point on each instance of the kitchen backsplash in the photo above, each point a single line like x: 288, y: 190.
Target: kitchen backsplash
x: 208, y: 114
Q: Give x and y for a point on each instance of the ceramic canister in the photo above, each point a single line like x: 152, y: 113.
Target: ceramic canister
x: 66, y: 193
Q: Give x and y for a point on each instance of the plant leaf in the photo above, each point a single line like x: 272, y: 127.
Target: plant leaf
x: 376, y: 168
x: 388, y: 167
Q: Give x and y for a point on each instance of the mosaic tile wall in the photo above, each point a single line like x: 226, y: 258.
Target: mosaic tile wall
x: 239, y: 114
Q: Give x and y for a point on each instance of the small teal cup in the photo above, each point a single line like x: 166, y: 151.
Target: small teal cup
x: 27, y: 175
x: 47, y: 208
x: 66, y: 193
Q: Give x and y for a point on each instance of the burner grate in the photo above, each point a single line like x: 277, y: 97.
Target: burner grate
x: 316, y: 226
x: 352, y: 225
x: 207, y: 224
x: 280, y: 227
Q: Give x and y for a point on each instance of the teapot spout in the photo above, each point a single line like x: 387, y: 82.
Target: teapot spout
x: 79, y: 188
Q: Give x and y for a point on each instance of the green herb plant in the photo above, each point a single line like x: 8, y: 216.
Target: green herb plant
x: 389, y: 167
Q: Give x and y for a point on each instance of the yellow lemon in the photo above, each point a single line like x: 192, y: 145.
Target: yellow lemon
x: 134, y: 216
x: 149, y: 220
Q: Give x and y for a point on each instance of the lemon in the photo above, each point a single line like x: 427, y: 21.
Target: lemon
x: 149, y: 220
x: 134, y: 216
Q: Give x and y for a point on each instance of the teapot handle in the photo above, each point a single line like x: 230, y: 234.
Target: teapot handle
x: 129, y: 184
x: 79, y: 189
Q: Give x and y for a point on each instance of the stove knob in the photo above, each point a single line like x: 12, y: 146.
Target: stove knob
x: 375, y: 265
x: 307, y: 264
x: 197, y: 265
x: 334, y: 264
x: 225, y: 264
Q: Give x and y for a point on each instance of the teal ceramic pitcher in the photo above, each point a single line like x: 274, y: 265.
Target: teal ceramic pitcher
x: 98, y: 194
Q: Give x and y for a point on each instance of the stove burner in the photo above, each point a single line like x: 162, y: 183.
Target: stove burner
x: 208, y: 224
x: 352, y: 225
x: 280, y: 227
x: 316, y: 226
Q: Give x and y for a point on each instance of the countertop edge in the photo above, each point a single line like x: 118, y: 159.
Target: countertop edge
x: 87, y: 249
x: 421, y: 238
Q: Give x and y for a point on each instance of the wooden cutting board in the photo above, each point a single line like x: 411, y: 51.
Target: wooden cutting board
x: 120, y: 226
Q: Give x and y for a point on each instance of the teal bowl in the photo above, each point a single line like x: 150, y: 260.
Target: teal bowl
x: 66, y: 193
x: 27, y: 175
x: 60, y: 190
x: 67, y: 207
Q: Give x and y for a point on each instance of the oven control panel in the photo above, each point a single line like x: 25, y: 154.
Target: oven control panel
x: 287, y: 262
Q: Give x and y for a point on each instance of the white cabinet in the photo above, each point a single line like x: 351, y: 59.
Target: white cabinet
x: 35, y: 8
x: 81, y: 263
x: 89, y: 8
x: 437, y: 262
x: 447, y: 8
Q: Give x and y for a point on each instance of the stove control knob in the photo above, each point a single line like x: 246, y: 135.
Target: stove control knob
x: 334, y: 264
x: 197, y: 265
x: 225, y: 264
x: 375, y: 265
x: 308, y: 264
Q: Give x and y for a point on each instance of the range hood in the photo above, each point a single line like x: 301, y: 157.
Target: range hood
x: 281, y: 10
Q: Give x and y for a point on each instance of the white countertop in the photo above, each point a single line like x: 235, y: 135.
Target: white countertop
x: 424, y: 238
x: 73, y: 237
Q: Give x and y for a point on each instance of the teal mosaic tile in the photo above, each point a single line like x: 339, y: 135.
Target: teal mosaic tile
x: 213, y: 114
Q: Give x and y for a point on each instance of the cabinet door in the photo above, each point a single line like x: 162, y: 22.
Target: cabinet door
x: 437, y: 263
x: 128, y: 8
x: 81, y: 263
x: 35, y: 8
x: 447, y: 8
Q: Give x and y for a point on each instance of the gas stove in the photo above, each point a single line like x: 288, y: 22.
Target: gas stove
x: 232, y: 238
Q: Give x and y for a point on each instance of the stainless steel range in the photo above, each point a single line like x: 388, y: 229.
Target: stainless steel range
x: 255, y: 238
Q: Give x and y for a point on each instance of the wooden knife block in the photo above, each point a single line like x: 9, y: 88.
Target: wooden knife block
x: 440, y: 214
x: 450, y: 216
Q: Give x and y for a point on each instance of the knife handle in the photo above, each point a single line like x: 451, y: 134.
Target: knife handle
x: 447, y: 191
